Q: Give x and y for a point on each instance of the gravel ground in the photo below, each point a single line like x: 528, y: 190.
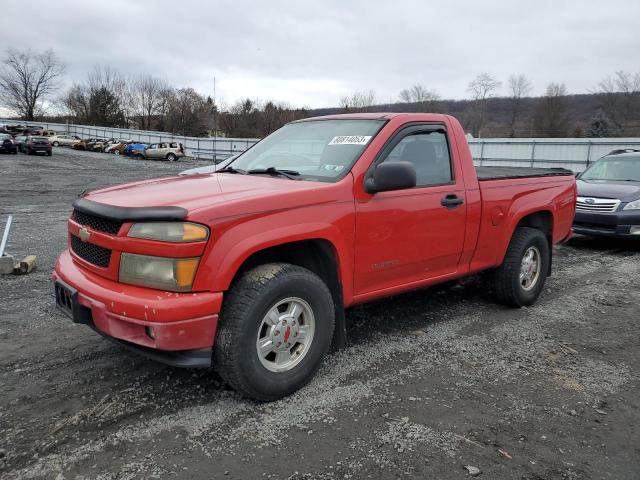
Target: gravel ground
x: 430, y: 381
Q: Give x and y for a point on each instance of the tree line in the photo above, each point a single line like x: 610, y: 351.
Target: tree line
x: 30, y: 84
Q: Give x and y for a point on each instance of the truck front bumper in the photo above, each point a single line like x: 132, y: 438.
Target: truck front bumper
x: 623, y: 224
x: 175, y: 328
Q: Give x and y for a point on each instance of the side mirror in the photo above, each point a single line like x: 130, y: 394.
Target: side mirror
x: 391, y: 176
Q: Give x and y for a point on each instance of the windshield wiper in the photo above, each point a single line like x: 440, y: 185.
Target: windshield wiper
x: 291, y: 174
x: 230, y: 169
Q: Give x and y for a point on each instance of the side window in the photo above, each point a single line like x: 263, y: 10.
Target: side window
x: 174, y: 145
x: 429, y: 154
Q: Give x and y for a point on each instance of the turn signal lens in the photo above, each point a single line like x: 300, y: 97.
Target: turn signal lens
x: 185, y: 271
x: 176, y: 232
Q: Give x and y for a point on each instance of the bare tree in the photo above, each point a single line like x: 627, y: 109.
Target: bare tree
x: 519, y: 87
x: 149, y: 95
x: 27, y: 78
x: 550, y: 116
x: 423, y: 98
x: 100, y: 100
x: 620, y: 97
x: 358, y: 101
x: 481, y: 88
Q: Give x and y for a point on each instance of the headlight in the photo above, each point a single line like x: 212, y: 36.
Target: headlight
x: 173, y: 274
x: 635, y: 205
x: 170, y: 231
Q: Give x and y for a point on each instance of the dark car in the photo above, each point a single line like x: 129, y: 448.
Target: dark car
x: 608, y: 201
x: 7, y: 144
x: 37, y: 145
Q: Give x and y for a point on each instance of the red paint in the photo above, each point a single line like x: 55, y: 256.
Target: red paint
x: 287, y: 332
x: 384, y: 243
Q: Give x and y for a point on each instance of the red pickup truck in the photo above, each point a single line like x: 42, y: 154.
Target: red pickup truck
x: 250, y: 269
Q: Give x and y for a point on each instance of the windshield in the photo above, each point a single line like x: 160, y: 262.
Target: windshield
x: 614, y: 169
x: 321, y: 150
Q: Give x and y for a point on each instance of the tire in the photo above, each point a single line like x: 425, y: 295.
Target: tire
x: 511, y: 285
x: 49, y: 153
x: 276, y: 288
x: 29, y: 152
x: 116, y: 152
x: 140, y: 156
x: 56, y: 144
x: 172, y: 157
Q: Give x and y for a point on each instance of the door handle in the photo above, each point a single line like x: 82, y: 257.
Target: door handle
x: 451, y: 201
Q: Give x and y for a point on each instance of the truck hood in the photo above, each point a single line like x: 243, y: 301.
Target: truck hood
x: 625, y: 191
x: 226, y: 193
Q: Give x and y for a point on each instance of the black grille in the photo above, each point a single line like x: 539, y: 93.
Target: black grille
x: 96, y: 223
x: 94, y: 254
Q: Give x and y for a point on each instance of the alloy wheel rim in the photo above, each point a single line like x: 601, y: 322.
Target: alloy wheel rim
x: 530, y: 267
x: 285, y: 334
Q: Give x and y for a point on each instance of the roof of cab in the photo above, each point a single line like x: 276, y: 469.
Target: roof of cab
x: 365, y: 116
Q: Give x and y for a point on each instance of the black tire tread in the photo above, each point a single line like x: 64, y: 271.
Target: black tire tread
x: 241, y: 297
x: 503, y: 285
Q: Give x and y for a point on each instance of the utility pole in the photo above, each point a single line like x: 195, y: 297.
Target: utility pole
x: 215, y: 108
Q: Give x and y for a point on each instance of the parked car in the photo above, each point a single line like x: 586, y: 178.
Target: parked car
x: 135, y: 149
x: 608, y: 203
x: 116, y: 145
x: 171, y: 151
x: 35, y: 145
x: 86, y: 144
x: 33, y: 130
x: 7, y: 144
x: 48, y: 133
x: 15, y: 129
x: 21, y: 142
x: 63, y: 140
x: 263, y: 257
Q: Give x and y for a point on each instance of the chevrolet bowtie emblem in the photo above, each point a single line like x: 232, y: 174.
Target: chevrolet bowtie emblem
x: 84, y: 234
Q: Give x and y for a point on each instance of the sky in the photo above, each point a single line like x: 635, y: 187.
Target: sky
x: 312, y: 53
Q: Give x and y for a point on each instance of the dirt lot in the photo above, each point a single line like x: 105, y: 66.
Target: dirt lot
x: 431, y: 381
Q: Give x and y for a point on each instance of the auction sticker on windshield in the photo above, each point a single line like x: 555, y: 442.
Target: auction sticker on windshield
x: 350, y: 140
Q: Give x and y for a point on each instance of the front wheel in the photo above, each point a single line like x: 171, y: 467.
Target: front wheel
x: 521, y: 277
x: 56, y: 144
x: 275, y: 327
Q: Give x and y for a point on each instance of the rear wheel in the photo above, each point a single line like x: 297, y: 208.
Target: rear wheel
x: 140, y: 156
x: 521, y: 277
x: 275, y: 327
x: 172, y: 157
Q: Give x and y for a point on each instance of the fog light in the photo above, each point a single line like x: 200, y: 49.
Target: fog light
x: 634, y: 230
x: 150, y: 333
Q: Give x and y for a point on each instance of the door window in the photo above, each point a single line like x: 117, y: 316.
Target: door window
x: 429, y: 153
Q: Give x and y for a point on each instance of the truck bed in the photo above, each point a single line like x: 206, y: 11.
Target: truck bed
x: 499, y: 173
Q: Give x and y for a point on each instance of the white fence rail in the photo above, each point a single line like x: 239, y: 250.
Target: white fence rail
x: 199, y: 147
x: 572, y: 153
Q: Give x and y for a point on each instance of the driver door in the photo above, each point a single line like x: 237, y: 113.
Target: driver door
x: 413, y: 234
